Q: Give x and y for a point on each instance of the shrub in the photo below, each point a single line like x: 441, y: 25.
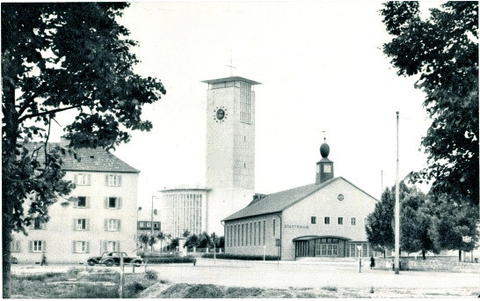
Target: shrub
x: 170, y: 259
x: 240, y: 257
x: 329, y: 288
x: 151, y: 275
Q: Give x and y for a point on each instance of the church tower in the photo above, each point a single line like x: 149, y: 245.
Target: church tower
x: 230, y: 170
x: 324, y: 166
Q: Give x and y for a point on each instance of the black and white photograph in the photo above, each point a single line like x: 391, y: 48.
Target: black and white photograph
x: 240, y: 149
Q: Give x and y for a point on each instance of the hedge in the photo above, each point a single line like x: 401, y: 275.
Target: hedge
x: 170, y: 259
x: 240, y: 257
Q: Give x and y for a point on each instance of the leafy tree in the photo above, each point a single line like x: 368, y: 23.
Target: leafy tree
x: 161, y: 237
x: 152, y: 240
x: 192, y: 241
x: 443, y: 51
x: 144, y: 239
x: 204, y: 239
x: 451, y: 222
x: 59, y: 57
x: 186, y: 233
x: 379, y: 227
x: 174, y: 243
x: 415, y: 221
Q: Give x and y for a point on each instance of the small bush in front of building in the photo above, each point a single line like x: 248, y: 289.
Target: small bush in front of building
x: 240, y: 257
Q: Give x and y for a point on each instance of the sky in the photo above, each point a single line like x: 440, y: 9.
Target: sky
x: 321, y: 68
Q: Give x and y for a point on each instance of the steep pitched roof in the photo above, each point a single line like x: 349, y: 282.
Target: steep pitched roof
x: 93, y: 160
x: 279, y: 201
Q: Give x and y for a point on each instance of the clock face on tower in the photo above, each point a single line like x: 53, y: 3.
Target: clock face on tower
x: 327, y: 168
x: 220, y: 114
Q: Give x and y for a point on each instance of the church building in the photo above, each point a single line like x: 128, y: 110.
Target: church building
x: 323, y: 219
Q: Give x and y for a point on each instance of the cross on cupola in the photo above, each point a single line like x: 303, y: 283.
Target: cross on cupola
x: 324, y: 166
x: 231, y: 64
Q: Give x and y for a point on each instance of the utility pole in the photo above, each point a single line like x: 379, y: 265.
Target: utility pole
x: 397, y: 210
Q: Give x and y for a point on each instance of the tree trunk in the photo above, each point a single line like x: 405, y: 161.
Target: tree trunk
x: 459, y: 255
x: 7, y: 273
x: 8, y: 156
x: 423, y: 255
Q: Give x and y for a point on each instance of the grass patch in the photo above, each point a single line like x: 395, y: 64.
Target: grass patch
x: 98, y: 284
x: 330, y: 288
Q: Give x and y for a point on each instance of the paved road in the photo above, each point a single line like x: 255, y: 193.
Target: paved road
x: 291, y: 274
x: 314, y: 275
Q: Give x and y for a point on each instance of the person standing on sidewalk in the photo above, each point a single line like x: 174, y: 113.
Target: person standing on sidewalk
x: 372, y: 263
x: 44, y: 260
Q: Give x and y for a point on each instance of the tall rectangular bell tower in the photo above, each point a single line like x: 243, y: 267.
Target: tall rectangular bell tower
x: 230, y: 170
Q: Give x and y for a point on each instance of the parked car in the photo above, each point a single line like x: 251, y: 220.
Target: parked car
x: 13, y: 260
x: 111, y: 258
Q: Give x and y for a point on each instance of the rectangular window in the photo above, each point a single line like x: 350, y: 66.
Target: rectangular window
x: 82, y: 179
x: 39, y: 225
x: 245, y: 102
x: 251, y: 233
x: 81, y: 224
x: 113, y: 203
x: 263, y: 232
x: 273, y: 227
x: 37, y: 246
x: 112, y: 225
x: 81, y: 247
x: 112, y: 246
x: 15, y: 246
x: 340, y: 220
x: 313, y: 220
x: 353, y: 220
x: 327, y: 220
x: 81, y: 202
x: 254, y: 233
x: 246, y: 235
x: 113, y: 180
x: 243, y: 233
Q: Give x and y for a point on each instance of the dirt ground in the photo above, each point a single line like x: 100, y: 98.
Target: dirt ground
x: 184, y: 290
x: 243, y: 279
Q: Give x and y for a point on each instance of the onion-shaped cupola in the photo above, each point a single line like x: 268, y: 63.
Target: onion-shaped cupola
x: 324, y: 166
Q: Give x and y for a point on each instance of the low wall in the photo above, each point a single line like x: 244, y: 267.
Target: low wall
x: 429, y: 264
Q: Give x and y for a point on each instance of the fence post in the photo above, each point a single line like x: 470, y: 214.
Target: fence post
x: 120, y: 287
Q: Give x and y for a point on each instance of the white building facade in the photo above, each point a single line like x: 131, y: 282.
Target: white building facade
x: 99, y: 215
x: 324, y: 219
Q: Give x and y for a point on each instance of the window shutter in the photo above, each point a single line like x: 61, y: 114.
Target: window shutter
x: 44, y: 246
x: 119, y: 180
x: 87, y: 205
x: 88, y: 179
x: 73, y: 247
x: 74, y: 224
x: 106, y: 180
x: 75, y: 203
x: 87, y: 247
x: 43, y: 226
x: 105, y: 203
x: 105, y: 246
x: 17, y: 246
x: 119, y: 224
x: 106, y: 224
x: 87, y: 224
x: 30, y: 246
x: 119, y: 203
x: 118, y: 246
x: 75, y: 179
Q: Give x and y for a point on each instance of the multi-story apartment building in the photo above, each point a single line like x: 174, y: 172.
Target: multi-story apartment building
x: 99, y: 215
